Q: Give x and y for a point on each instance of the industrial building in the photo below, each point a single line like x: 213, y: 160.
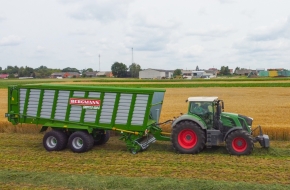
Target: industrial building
x: 155, y: 74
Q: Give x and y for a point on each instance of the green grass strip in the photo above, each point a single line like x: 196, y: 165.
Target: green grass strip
x: 196, y: 85
x: 228, y: 82
x: 91, y: 181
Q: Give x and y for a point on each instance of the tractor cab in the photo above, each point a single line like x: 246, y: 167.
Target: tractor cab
x: 207, y: 108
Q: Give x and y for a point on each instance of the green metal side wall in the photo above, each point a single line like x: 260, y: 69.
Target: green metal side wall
x: 54, y: 105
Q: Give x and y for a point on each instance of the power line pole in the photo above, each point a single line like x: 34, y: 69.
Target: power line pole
x: 132, y: 65
x: 99, y: 62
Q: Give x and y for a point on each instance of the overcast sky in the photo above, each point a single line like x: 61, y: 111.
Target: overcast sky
x: 164, y: 34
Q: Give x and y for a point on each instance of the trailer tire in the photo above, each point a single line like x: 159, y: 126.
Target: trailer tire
x: 80, y: 141
x: 55, y: 140
x: 187, y: 137
x: 102, y: 138
x: 239, y: 142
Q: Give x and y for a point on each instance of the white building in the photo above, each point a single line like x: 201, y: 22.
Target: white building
x: 199, y: 74
x: 155, y: 74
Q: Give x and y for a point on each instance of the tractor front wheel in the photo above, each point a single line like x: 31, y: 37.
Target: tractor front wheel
x: 239, y: 142
x: 80, y: 141
x: 187, y: 137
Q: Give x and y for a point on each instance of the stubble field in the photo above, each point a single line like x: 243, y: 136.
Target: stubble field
x: 26, y: 165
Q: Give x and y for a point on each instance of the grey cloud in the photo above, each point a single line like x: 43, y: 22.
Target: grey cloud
x: 83, y: 32
x: 278, y: 32
x: 248, y: 13
x: 150, y: 36
x: 2, y: 19
x: 10, y: 41
x: 226, y: 1
x: 103, y: 11
x: 212, y: 33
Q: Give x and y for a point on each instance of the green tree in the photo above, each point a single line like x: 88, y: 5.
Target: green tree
x: 68, y: 69
x: 43, y: 72
x: 89, y: 70
x: 119, y: 70
x: 177, y: 72
x: 12, y: 70
x: 225, y: 70
x: 134, y: 70
x: 11, y: 75
x: 237, y: 69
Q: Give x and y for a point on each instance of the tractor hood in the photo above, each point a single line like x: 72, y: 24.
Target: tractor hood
x: 233, y: 119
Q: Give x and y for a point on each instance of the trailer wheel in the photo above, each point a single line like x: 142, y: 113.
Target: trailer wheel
x: 102, y: 138
x: 239, y: 142
x: 55, y: 140
x: 187, y: 138
x: 80, y: 141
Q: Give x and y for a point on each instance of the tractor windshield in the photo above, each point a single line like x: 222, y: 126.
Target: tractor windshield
x: 204, y: 110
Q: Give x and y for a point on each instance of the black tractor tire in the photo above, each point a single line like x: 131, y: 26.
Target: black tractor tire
x: 187, y: 137
x: 55, y: 140
x: 80, y: 141
x: 239, y: 142
x: 102, y: 138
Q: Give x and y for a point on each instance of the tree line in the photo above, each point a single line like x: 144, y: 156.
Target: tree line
x: 119, y: 70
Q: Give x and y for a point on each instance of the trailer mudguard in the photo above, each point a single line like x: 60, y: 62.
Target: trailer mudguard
x: 195, y: 119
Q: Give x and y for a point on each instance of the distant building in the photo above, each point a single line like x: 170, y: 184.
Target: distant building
x: 187, y: 74
x: 277, y: 69
x: 4, y: 76
x: 91, y: 74
x: 197, y: 74
x: 210, y: 73
x: 65, y: 75
x: 155, y: 74
x: 244, y: 72
x: 105, y: 74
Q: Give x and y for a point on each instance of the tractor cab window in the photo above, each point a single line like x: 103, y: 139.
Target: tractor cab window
x: 204, y: 110
x: 200, y: 108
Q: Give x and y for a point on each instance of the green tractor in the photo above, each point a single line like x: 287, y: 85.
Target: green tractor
x: 206, y: 125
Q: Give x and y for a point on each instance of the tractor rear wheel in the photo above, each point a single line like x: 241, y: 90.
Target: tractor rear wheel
x: 239, y: 142
x: 55, y: 140
x: 187, y: 137
x: 80, y: 141
x: 102, y: 138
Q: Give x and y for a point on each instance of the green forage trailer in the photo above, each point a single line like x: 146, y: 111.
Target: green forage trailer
x: 82, y: 116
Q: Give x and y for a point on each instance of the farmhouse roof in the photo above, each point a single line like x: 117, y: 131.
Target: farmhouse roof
x: 160, y: 70
x: 243, y: 71
x: 62, y: 73
x: 4, y: 75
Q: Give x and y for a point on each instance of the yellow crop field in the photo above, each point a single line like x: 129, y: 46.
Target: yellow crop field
x: 270, y: 107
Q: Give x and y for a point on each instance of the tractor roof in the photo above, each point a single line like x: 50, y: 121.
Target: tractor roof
x: 202, y: 99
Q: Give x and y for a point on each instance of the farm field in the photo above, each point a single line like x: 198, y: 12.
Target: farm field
x: 26, y: 165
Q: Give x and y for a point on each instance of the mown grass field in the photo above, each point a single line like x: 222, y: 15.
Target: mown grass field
x: 26, y: 165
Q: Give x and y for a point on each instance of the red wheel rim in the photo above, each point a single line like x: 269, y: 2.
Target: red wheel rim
x: 187, y: 138
x: 239, y: 144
